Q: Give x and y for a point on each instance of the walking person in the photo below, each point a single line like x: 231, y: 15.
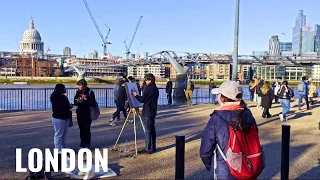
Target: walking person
x: 149, y: 99
x: 232, y: 113
x: 116, y: 94
x: 276, y: 87
x: 267, y: 96
x: 61, y: 116
x: 138, y: 85
x: 169, y: 91
x: 214, y: 96
x: 189, y: 87
x: 303, y: 93
x: 84, y: 99
x: 252, y: 89
x: 258, y: 91
x: 285, y: 94
x: 312, y: 92
x: 121, y: 101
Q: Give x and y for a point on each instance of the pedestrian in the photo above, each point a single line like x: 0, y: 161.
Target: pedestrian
x: 116, y: 94
x: 138, y: 85
x: 144, y: 84
x: 61, y: 116
x: 303, y: 93
x: 121, y: 100
x: 276, y: 87
x: 258, y: 91
x: 232, y: 112
x: 312, y: 92
x: 84, y: 99
x: 189, y: 87
x: 212, y: 85
x: 252, y: 89
x: 149, y: 99
x: 169, y: 91
x: 285, y: 94
x: 267, y: 96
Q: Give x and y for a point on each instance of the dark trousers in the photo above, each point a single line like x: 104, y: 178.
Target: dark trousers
x: 276, y: 99
x: 169, y: 97
x: 251, y: 95
x: 150, y: 134
x: 84, y: 122
x: 120, y: 107
x: 266, y: 113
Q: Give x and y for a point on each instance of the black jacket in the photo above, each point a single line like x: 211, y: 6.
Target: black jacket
x: 150, y: 99
x: 266, y: 99
x: 169, y: 87
x: 259, y: 86
x: 122, y: 96
x: 87, y: 102
x: 139, y: 88
x: 60, y: 106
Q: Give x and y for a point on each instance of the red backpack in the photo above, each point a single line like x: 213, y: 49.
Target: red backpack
x: 244, y: 153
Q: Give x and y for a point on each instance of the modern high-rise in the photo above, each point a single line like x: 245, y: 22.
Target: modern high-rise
x: 285, y: 46
x: 317, y: 39
x: 307, y: 41
x: 67, y: 51
x: 274, y: 46
x: 296, y: 32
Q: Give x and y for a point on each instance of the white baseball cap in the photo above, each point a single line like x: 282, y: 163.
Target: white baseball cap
x: 229, y: 89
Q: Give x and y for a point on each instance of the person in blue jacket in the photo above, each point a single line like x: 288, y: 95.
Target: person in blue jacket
x: 232, y: 112
x: 303, y: 93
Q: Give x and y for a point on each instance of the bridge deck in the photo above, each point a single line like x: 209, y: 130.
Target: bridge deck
x: 34, y: 129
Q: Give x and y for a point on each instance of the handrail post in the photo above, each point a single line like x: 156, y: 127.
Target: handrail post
x: 106, y: 97
x: 21, y: 99
x: 285, y: 150
x: 180, y: 151
x: 45, y: 99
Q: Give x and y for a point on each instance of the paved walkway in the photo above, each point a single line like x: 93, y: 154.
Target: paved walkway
x: 27, y: 130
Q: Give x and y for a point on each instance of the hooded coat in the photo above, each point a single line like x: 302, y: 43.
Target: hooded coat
x: 217, y: 132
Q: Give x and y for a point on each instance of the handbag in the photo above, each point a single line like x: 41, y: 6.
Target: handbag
x: 94, y: 111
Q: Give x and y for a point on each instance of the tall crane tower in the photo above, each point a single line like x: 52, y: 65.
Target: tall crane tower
x: 104, y: 39
x: 127, y: 52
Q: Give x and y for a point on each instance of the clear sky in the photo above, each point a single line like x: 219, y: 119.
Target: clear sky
x: 181, y: 25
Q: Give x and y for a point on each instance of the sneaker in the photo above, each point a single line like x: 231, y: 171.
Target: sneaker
x: 309, y: 108
x: 111, y: 123
x: 281, y: 117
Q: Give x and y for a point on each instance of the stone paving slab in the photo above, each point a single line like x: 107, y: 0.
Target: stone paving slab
x: 31, y: 129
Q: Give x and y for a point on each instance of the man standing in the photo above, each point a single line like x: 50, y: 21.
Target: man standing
x: 303, y: 92
x: 150, y: 105
x: 213, y: 86
x: 188, y: 91
x: 120, y: 102
x: 169, y: 91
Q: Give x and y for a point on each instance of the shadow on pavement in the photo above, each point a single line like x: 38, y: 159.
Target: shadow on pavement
x: 313, y: 173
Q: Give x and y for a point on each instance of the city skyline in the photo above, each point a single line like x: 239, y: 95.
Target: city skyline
x: 193, y: 27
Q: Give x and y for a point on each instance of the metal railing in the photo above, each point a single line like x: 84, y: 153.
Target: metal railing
x: 39, y: 98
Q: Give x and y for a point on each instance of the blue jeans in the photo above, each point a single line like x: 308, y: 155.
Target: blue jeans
x: 214, y: 97
x: 300, y: 100
x: 285, y: 103
x: 150, y: 134
x: 60, y: 133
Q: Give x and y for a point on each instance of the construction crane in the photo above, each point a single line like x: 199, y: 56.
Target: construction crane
x: 104, y: 39
x: 127, y: 52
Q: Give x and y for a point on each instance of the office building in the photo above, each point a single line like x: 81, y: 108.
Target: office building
x: 31, y: 41
x: 269, y: 72
x: 274, y: 46
x: 219, y: 72
x: 259, y: 53
x: 139, y: 72
x: 296, y: 32
x: 317, y: 39
x: 67, y: 51
x: 285, y: 46
x: 307, y: 40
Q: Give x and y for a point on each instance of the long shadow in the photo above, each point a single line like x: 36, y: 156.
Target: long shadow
x: 300, y: 115
x: 272, y: 162
x: 313, y: 173
x: 116, y: 167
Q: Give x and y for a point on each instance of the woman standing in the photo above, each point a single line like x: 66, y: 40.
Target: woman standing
x: 61, y: 115
x: 267, y: 96
x: 84, y: 99
x: 312, y: 92
x: 252, y: 89
x: 285, y: 94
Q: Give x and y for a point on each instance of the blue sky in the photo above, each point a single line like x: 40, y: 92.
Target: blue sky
x: 192, y: 26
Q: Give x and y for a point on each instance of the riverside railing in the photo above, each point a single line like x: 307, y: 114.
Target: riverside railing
x: 39, y: 98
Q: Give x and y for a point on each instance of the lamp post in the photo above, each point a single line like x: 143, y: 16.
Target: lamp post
x: 235, y: 45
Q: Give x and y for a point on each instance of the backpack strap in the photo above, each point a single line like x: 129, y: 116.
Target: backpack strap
x: 223, y: 156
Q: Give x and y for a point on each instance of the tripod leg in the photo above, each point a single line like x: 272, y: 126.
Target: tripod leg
x: 135, y: 132
x: 144, y: 130
x: 125, y: 123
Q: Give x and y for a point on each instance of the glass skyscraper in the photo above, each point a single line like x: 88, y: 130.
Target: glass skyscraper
x: 285, y: 46
x: 296, y: 32
x: 307, y: 41
x: 317, y: 39
x: 274, y: 46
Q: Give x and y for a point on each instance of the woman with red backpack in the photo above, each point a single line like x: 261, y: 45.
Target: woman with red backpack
x: 232, y: 133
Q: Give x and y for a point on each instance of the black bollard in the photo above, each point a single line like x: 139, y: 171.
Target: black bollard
x: 285, y: 151
x: 180, y: 147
